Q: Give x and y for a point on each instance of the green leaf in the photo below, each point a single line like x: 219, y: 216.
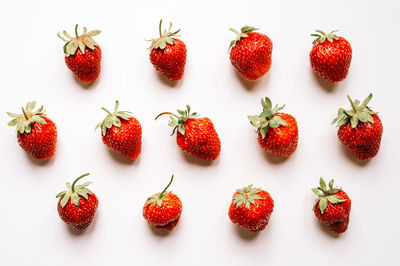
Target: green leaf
x: 322, y: 183
x: 75, y: 199
x: 263, y: 132
x: 181, y: 129
x: 93, y: 33
x: 367, y: 100
x: 316, y: 191
x: 323, y: 203
x: 266, y: 113
x: 354, y: 121
x: 331, y: 184
x: 62, y: 193
x: 364, y: 117
x: 13, y: 122
x: 108, y: 122
x: 30, y: 106
x: 65, y: 199
x: 12, y: 115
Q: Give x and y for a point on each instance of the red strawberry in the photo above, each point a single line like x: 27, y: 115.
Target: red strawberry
x: 360, y: 129
x: 330, y: 59
x: 195, y: 136
x: 251, y: 208
x: 121, y: 132
x: 78, y: 205
x: 85, y: 61
x: 277, y: 132
x: 163, y: 210
x: 333, y: 206
x: 250, y: 53
x: 37, y: 134
x: 168, y: 54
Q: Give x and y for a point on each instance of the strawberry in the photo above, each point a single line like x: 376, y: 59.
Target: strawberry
x: 85, y: 61
x: 78, y: 205
x: 330, y: 59
x: 37, y: 134
x: 251, y: 208
x: 277, y: 132
x: 168, y: 54
x: 121, y: 132
x: 163, y: 210
x: 250, y: 53
x: 333, y: 206
x: 360, y: 129
x: 195, y: 136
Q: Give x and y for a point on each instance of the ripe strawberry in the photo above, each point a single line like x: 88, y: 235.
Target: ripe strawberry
x: 333, y: 206
x: 251, y: 208
x: 168, y: 54
x: 78, y: 205
x: 277, y: 132
x: 250, y: 53
x: 85, y: 61
x: 163, y: 210
x: 37, y: 134
x: 360, y: 129
x: 121, y: 132
x: 330, y: 59
x: 195, y: 136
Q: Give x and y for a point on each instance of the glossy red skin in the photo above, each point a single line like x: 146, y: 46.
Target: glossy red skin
x: 257, y: 217
x: 331, y: 61
x: 364, y: 140
x: 281, y: 141
x: 165, y: 217
x: 86, y: 67
x: 40, y: 143
x: 79, y: 217
x: 171, y: 60
x: 126, y: 139
x: 251, y: 56
x: 200, y: 140
x: 336, y: 216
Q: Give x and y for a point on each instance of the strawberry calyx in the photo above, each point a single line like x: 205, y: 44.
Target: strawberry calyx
x: 267, y: 118
x: 246, y: 196
x: 326, y: 194
x: 322, y: 36
x: 165, y: 37
x: 178, y: 122
x: 357, y: 113
x: 74, y: 191
x: 79, y: 41
x: 160, y: 197
x: 113, y: 119
x: 24, y: 121
x: 242, y: 34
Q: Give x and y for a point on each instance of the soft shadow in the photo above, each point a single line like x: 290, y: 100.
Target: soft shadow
x: 274, y: 159
x: 325, y: 228
x: 168, y: 82
x: 245, y: 234
x: 121, y: 159
x: 193, y: 160
x: 326, y: 85
x: 40, y: 162
x: 159, y: 233
x: 86, y: 86
x: 352, y: 157
x: 252, y: 85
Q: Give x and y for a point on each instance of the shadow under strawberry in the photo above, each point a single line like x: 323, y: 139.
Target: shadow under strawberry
x: 168, y: 82
x: 252, y: 85
x: 245, y: 234
x: 326, y: 85
x: 351, y: 156
x: 121, y: 159
x: 193, y: 160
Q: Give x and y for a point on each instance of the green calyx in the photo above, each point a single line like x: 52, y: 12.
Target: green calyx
x: 113, y: 119
x: 322, y: 36
x: 79, y: 41
x: 74, y: 191
x: 326, y: 194
x: 267, y: 118
x: 242, y: 34
x: 178, y: 122
x: 24, y: 121
x: 246, y: 196
x: 165, y: 37
x: 357, y: 113
x: 160, y: 197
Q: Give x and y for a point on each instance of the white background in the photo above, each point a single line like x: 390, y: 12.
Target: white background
x: 32, y: 68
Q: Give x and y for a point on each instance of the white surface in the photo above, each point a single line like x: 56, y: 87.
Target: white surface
x: 32, y: 67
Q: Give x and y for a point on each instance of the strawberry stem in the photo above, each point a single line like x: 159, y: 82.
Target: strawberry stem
x: 235, y: 31
x: 76, y: 180
x: 166, y: 113
x: 161, y: 194
x: 25, y: 115
x: 76, y: 30
x: 352, y: 104
x: 159, y: 28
